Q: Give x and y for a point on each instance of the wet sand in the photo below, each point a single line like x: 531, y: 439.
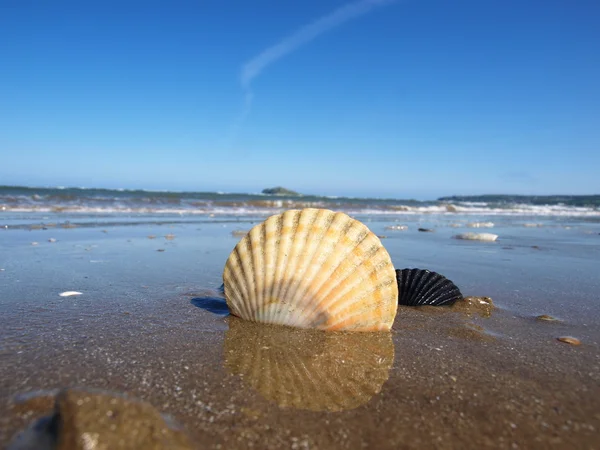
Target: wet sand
x: 444, y: 377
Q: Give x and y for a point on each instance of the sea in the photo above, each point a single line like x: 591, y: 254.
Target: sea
x: 18, y: 203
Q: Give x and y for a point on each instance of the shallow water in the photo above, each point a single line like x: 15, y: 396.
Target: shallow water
x: 441, y: 377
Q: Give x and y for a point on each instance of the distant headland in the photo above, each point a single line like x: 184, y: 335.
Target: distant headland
x: 280, y: 191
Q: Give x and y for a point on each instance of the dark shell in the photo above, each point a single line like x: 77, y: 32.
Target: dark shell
x: 421, y: 287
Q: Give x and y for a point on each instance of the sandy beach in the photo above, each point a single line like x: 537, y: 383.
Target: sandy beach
x: 444, y: 377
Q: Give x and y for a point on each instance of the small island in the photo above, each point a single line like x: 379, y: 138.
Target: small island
x: 279, y: 191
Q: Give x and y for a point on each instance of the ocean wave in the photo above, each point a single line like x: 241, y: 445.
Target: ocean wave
x: 273, y: 207
x: 123, y: 201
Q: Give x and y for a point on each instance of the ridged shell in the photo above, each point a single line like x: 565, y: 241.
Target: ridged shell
x: 312, y: 268
x: 420, y: 287
x: 308, y: 369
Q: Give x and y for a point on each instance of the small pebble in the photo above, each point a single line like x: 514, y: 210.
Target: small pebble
x: 239, y: 233
x: 51, y: 240
x: 397, y: 227
x: 170, y: 237
x: 152, y: 236
x: 34, y: 243
x: 547, y: 318
x: 381, y: 236
x: 569, y: 340
x: 426, y: 230
x: 160, y: 250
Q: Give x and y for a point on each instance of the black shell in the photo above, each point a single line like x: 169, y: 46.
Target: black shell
x: 421, y: 287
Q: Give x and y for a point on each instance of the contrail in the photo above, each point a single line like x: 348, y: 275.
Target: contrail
x: 253, y: 68
x: 304, y: 35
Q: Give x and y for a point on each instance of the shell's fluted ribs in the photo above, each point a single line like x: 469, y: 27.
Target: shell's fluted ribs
x: 429, y: 287
x: 234, y: 291
x: 358, y: 264
x: 338, y: 268
x: 305, y: 246
x: 273, y: 229
x: 303, y: 293
x: 345, y: 319
x: 312, y: 262
x: 245, y: 253
x: 234, y: 266
x: 256, y: 244
x: 290, y: 224
x: 377, y: 269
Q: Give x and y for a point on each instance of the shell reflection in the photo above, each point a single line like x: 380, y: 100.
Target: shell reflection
x: 309, y: 369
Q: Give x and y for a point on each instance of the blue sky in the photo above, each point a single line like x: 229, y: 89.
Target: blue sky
x: 417, y: 98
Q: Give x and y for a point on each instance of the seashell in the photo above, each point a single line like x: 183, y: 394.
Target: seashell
x: 420, y: 287
x: 308, y: 369
x: 486, y: 237
x: 69, y: 293
x: 569, y: 340
x: 312, y: 268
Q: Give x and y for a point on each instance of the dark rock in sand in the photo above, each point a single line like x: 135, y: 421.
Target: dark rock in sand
x: 89, y: 419
x: 426, y: 230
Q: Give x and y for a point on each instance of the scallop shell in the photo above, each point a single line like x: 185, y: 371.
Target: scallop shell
x: 420, y: 287
x: 308, y: 369
x: 312, y: 268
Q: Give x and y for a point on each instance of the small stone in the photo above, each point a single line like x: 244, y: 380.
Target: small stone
x: 426, y: 230
x: 569, y: 340
x: 51, y: 240
x: 85, y: 419
x: 239, y: 233
x: 547, y: 318
x: 34, y: 243
x: 170, y: 237
x: 160, y: 250
x: 152, y: 236
x: 397, y: 227
x: 105, y: 231
x: 381, y: 236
